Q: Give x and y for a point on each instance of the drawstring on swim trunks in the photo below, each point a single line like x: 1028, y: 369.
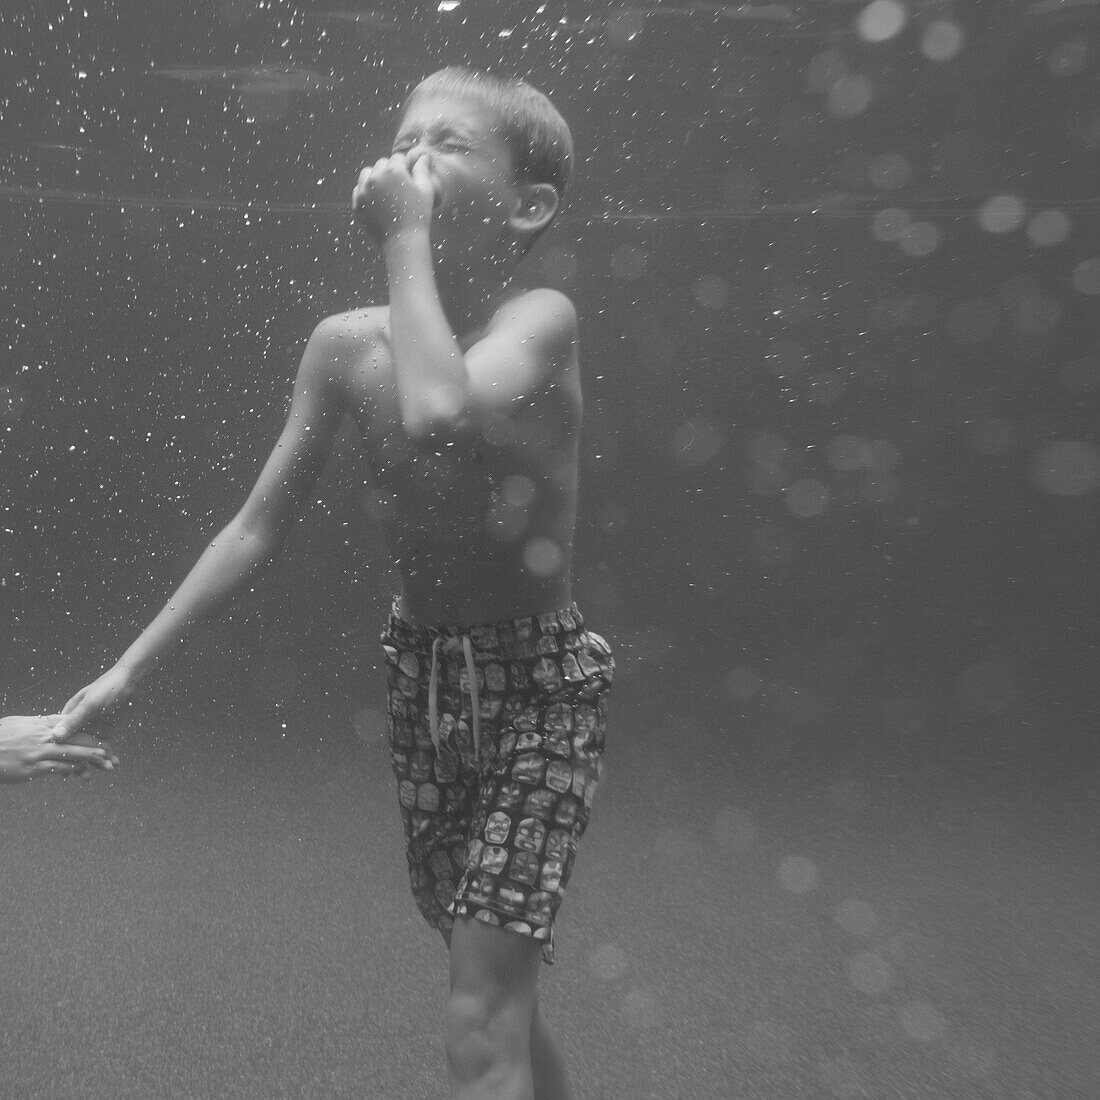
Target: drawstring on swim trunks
x: 433, y: 708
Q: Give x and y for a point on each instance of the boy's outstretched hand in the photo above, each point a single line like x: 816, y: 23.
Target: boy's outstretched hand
x: 29, y: 749
x: 96, y: 704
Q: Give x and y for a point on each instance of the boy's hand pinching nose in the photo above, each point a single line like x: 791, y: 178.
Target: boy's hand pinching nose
x: 389, y: 197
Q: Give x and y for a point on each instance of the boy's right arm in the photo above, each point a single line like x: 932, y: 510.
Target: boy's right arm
x: 251, y: 540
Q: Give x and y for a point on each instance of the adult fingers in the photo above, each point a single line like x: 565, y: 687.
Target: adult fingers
x: 80, y: 754
x: 54, y: 767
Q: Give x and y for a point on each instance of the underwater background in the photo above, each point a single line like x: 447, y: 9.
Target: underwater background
x: 837, y: 266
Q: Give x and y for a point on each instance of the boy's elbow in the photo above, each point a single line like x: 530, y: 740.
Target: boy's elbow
x: 440, y: 416
x: 434, y: 435
x: 262, y: 536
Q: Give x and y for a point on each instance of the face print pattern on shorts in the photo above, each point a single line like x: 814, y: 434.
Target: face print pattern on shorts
x: 497, y: 839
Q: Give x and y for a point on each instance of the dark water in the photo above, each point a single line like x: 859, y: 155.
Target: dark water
x: 837, y: 267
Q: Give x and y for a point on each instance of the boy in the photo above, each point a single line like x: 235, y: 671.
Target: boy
x: 467, y: 398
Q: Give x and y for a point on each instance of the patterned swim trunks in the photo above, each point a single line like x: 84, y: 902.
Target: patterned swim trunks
x: 497, y: 738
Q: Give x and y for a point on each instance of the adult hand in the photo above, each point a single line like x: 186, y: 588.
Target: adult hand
x: 29, y: 748
x: 389, y: 196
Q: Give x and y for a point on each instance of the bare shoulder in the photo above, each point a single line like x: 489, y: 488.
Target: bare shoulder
x: 548, y: 312
x: 339, y: 343
x: 352, y: 327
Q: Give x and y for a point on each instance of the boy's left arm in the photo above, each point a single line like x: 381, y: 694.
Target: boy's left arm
x: 446, y: 395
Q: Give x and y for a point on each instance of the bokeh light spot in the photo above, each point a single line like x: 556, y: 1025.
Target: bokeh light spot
x: 1068, y: 469
x: 943, y: 40
x: 1069, y: 58
x: 1002, y: 214
x: 711, y: 291
x: 1086, y: 277
x: 798, y: 875
x: 850, y: 96
x: 882, y: 19
x: 920, y: 239
x: 518, y: 491
x: 1048, y: 227
x: 542, y: 557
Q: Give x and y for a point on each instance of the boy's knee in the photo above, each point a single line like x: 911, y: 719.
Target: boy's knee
x: 484, y: 1032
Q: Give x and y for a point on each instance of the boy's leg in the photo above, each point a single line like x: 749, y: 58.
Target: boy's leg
x: 547, y: 1064
x: 494, y: 983
x: 550, y: 1078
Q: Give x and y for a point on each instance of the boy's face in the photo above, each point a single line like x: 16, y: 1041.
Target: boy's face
x: 470, y: 167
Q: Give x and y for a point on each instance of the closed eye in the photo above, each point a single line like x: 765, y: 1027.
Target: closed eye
x: 444, y: 145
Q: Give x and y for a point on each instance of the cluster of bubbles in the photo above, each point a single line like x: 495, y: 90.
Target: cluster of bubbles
x: 872, y: 460
x: 1058, y: 468
x: 942, y: 39
x: 847, y: 92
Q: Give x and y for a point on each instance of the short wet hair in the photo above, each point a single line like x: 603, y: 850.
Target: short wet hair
x: 531, y: 126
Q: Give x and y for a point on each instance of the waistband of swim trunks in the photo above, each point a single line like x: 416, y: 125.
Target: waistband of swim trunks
x: 510, y: 638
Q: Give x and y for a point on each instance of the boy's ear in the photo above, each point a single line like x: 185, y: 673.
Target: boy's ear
x: 536, y: 205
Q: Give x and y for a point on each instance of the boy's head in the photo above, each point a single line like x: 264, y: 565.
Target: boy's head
x: 498, y: 150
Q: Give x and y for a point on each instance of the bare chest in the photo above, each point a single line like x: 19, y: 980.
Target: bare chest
x: 457, y: 490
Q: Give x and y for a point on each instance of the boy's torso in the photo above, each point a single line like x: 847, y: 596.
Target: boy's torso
x: 479, y: 534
